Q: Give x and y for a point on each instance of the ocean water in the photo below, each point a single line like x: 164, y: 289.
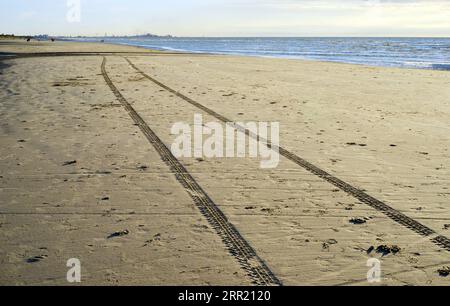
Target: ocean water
x: 425, y: 53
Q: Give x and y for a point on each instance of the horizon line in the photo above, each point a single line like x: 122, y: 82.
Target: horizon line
x: 220, y: 36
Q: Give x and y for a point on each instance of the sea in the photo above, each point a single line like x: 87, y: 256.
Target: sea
x: 421, y: 53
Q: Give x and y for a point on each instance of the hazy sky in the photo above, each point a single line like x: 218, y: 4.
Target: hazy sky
x: 230, y: 17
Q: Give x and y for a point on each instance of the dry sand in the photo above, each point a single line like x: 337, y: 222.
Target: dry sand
x: 59, y: 109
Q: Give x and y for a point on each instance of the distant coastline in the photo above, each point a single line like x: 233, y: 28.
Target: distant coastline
x: 142, y: 36
x: 46, y: 36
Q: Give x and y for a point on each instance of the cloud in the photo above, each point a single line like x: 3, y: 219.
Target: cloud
x: 345, y: 17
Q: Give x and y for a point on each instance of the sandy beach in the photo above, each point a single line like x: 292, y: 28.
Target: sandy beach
x: 365, y: 164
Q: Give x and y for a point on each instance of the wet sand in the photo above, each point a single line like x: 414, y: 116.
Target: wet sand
x: 384, y: 131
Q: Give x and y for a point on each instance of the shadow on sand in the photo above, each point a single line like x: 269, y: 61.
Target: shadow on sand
x: 3, y: 64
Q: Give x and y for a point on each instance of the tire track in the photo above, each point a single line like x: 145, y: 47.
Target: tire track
x: 255, y: 267
x: 395, y: 215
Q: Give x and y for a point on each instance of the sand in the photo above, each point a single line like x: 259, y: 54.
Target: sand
x: 382, y: 130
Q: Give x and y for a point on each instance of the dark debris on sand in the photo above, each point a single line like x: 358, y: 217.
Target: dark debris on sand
x: 388, y: 249
x: 444, y: 272
x: 358, y: 221
x: 385, y: 249
x: 119, y: 234
x: 35, y: 259
x: 70, y: 162
x: 356, y: 144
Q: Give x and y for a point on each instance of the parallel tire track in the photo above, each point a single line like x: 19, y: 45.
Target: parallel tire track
x: 360, y: 195
x: 255, y: 267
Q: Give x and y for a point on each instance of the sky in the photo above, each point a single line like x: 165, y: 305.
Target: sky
x: 218, y: 18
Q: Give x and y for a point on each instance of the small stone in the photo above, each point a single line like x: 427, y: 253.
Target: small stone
x: 357, y: 221
x: 386, y: 249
